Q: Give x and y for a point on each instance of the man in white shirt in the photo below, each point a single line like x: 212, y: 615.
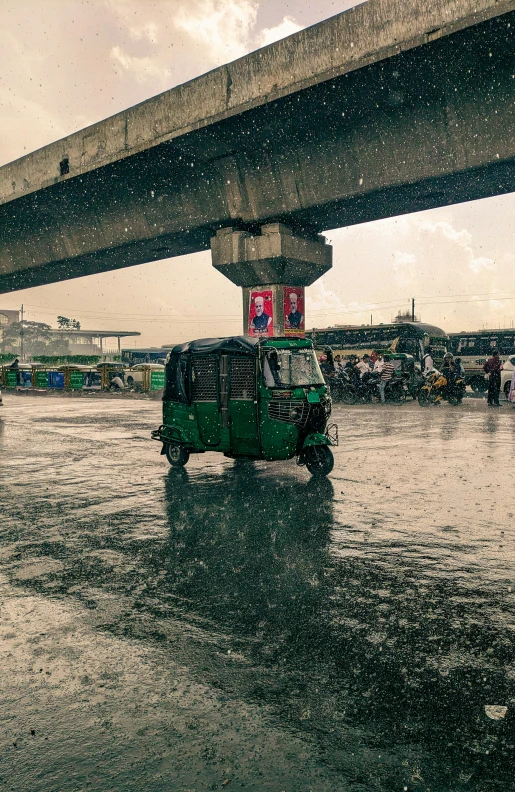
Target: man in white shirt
x: 117, y: 383
x: 378, y: 365
x: 364, y: 365
x: 427, y: 361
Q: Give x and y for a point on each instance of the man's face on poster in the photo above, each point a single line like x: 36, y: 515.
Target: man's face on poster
x: 259, y: 305
x: 293, y: 302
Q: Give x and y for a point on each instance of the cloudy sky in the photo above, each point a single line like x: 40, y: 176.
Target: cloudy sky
x: 69, y: 63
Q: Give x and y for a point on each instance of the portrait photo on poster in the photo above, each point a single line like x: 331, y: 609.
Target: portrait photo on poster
x: 294, y: 310
x: 261, y: 322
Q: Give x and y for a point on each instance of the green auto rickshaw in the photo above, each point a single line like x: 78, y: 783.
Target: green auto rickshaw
x: 247, y: 398
x: 407, y: 370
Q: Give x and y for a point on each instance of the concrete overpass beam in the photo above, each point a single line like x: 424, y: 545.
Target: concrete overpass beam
x: 272, y: 267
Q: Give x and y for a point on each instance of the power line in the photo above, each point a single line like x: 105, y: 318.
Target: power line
x: 344, y: 309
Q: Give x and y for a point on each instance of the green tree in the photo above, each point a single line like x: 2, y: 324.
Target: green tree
x: 36, y: 337
x: 64, y: 323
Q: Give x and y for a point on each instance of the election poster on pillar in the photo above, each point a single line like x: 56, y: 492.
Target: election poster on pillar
x: 261, y: 313
x: 293, y: 306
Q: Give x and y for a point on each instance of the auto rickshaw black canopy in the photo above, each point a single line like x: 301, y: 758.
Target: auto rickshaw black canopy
x: 207, y: 346
x: 176, y: 371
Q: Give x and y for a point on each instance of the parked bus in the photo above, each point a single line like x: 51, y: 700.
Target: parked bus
x: 150, y: 355
x: 409, y: 337
x: 475, y: 347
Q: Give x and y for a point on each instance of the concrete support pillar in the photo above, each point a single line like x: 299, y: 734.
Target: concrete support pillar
x: 272, y: 267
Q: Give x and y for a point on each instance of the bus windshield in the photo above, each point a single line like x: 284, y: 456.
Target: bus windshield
x: 285, y: 368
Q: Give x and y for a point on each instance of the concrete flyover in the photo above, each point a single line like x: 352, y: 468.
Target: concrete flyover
x: 387, y: 108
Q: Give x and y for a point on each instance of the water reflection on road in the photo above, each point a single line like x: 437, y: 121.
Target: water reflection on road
x: 367, y: 619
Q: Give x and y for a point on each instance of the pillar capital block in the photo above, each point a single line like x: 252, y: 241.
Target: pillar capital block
x: 277, y: 255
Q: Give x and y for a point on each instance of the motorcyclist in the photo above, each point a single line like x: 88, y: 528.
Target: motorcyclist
x: 352, y: 369
x: 327, y: 366
x: 338, y: 366
x: 363, y: 365
x: 448, y: 368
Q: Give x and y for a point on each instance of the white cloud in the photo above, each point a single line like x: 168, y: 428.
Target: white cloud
x: 320, y: 298
x: 462, y: 238
x: 142, y: 69
x: 222, y: 27
x: 482, y: 263
x: 285, y: 28
x: 403, y: 267
x: 131, y: 14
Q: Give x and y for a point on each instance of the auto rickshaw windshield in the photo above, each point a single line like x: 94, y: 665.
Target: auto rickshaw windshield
x: 287, y: 368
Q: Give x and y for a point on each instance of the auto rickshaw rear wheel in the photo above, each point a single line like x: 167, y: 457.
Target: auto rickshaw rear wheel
x: 319, y: 460
x: 177, y: 455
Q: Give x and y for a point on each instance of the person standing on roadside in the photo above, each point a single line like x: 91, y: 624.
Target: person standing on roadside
x: 511, y: 396
x: 387, y: 373
x: 493, y: 368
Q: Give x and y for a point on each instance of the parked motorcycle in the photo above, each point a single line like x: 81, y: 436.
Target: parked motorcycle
x: 437, y: 387
x: 351, y: 390
x: 343, y: 387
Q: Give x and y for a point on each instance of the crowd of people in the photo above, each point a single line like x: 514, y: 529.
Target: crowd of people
x: 382, y: 364
x: 379, y: 363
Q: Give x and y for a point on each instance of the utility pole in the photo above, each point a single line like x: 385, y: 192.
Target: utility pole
x: 21, y: 334
x: 412, y: 309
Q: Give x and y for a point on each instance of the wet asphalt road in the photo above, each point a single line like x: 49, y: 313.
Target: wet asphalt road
x: 242, y: 626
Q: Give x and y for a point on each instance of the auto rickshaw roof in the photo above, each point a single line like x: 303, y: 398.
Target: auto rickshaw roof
x: 209, y: 345
x: 241, y: 344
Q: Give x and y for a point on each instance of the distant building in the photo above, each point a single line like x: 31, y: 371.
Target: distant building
x: 8, y: 317
x: 405, y: 316
x: 60, y: 341
x: 91, y: 342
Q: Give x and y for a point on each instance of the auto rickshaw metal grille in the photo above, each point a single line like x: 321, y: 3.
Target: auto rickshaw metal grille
x: 294, y: 412
x: 204, y: 379
x: 243, y: 379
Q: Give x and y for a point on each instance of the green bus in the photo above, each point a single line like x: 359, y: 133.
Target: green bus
x: 411, y: 338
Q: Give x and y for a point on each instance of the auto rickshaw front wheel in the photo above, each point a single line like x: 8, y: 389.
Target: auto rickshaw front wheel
x: 176, y: 455
x: 319, y: 460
